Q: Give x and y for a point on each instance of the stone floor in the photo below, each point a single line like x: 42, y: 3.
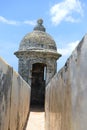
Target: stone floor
x: 36, y: 119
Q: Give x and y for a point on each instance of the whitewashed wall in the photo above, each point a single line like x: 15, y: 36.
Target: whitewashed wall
x: 66, y: 94
x: 14, y: 99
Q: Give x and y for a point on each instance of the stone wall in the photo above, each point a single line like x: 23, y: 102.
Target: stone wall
x: 66, y: 94
x: 14, y: 99
x: 25, y: 66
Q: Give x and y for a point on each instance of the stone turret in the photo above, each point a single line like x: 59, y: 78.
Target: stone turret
x: 37, y: 56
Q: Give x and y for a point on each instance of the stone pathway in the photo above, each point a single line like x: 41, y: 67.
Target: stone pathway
x: 36, y: 120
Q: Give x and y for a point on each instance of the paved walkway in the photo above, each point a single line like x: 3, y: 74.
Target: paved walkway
x: 36, y: 120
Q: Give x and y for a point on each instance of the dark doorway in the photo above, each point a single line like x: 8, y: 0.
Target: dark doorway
x: 38, y: 84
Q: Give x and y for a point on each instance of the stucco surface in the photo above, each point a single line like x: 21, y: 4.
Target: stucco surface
x: 66, y: 94
x: 14, y: 99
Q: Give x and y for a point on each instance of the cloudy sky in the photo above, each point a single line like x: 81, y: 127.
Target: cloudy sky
x: 64, y: 20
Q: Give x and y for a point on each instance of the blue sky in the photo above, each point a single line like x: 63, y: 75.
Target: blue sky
x: 64, y: 20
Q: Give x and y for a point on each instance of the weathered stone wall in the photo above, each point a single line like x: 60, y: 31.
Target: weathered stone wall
x: 14, y: 99
x: 66, y: 94
x: 26, y: 62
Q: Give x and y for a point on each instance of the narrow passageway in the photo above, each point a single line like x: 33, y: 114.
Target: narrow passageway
x: 36, y: 119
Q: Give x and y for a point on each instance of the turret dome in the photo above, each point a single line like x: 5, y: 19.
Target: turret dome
x: 38, y: 39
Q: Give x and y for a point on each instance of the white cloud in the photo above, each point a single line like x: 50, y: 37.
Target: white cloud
x: 66, y: 11
x: 71, y: 19
x: 6, y: 21
x: 13, y: 22
x: 68, y: 49
x: 30, y: 22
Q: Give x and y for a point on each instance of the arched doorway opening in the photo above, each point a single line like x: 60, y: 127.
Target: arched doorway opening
x: 38, y: 84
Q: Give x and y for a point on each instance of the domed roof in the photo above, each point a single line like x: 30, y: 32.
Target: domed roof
x: 38, y: 39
